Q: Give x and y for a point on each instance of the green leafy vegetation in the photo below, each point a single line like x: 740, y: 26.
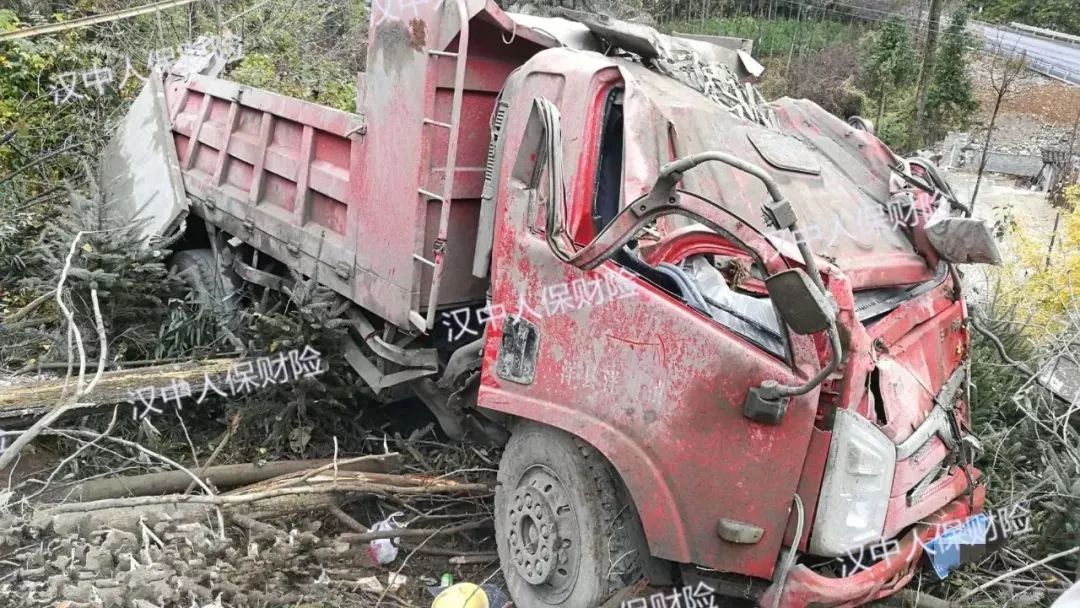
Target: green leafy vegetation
x: 775, y: 37
x: 1061, y: 15
x: 311, y: 50
x: 315, y: 56
x: 950, y: 102
x: 107, y: 255
x: 852, y: 67
x: 828, y: 78
x: 890, y: 65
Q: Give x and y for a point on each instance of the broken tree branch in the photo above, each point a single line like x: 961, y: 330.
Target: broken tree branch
x: 234, y: 423
x: 256, y: 527
x: 1011, y: 573
x: 29, y: 308
x: 1000, y: 348
x: 131, y: 444
x: 234, y: 499
x: 223, y: 476
x: 8, y: 456
x: 75, y: 454
x: 32, y: 399
x: 346, y: 519
x: 291, y: 479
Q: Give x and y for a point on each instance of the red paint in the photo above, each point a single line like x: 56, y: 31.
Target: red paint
x: 806, y: 588
x: 655, y: 386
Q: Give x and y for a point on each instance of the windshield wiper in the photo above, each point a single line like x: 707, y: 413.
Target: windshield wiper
x: 876, y: 309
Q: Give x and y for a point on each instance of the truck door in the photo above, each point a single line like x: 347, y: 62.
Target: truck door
x: 615, y: 356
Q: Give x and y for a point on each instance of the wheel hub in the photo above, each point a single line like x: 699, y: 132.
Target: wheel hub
x: 533, y: 535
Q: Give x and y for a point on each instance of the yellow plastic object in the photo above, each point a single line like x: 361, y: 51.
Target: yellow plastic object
x: 461, y: 595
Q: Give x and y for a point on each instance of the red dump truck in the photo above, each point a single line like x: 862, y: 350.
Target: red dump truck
x: 723, y: 340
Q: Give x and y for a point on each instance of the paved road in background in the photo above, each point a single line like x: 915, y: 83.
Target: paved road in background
x: 1059, y: 59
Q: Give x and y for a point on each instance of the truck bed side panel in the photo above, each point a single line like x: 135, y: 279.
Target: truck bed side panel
x: 278, y: 173
x: 300, y: 181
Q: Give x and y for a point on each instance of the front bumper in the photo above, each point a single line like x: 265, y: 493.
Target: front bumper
x: 804, y: 587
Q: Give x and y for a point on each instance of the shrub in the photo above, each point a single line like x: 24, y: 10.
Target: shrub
x: 826, y: 78
x: 1048, y: 283
x: 950, y: 101
x: 773, y: 37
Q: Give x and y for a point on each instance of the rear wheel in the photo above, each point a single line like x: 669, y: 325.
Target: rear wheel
x: 566, y: 532
x: 198, y: 269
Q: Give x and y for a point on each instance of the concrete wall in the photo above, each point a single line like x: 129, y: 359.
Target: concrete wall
x: 1012, y: 164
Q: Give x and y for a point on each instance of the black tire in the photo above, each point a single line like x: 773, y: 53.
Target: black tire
x: 196, y: 267
x: 596, y: 546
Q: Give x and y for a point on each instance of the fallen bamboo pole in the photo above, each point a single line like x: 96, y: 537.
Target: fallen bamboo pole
x: 92, y: 20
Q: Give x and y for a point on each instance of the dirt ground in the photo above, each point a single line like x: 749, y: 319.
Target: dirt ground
x: 1037, y: 113
x: 999, y: 198
x: 1045, y: 99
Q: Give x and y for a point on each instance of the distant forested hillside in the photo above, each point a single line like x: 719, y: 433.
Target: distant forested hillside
x: 1061, y: 15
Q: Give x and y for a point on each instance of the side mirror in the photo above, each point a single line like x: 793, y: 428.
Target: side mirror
x: 807, y: 310
x: 800, y: 303
x: 962, y: 240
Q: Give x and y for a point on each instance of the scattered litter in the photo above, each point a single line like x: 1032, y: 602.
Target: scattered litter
x: 495, y: 596
x: 384, y: 550
x: 461, y: 595
x: 370, y: 583
x: 428, y: 581
x: 394, y: 582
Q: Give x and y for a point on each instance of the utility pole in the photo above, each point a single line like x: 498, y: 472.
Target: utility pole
x: 926, y: 72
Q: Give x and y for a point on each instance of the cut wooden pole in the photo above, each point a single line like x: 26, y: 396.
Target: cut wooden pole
x: 224, y: 476
x: 31, y: 400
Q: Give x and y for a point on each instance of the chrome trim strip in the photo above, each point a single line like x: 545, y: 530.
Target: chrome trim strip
x: 937, y: 423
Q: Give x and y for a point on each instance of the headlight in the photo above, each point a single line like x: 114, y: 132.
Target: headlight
x: 855, y: 491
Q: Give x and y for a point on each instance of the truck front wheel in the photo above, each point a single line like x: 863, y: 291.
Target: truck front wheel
x: 567, y: 534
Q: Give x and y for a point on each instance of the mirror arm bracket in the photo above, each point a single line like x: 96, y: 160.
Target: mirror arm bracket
x: 768, y: 403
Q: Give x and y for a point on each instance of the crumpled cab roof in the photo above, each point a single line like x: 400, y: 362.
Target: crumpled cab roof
x: 836, y: 177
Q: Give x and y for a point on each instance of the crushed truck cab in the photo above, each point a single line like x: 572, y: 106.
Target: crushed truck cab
x: 721, y: 339
x: 658, y: 387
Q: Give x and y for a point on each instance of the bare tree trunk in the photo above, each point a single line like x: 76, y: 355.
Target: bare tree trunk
x: 1053, y: 237
x: 1010, y: 69
x: 881, y: 110
x: 794, y: 35
x: 1063, y: 177
x: 926, y: 72
x: 986, y: 146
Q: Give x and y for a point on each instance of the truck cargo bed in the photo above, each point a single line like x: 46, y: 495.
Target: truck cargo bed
x: 287, y: 177
x: 271, y: 170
